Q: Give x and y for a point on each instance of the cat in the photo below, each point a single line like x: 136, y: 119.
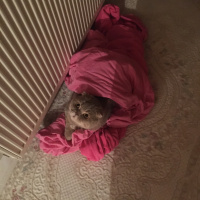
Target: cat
x: 85, y: 111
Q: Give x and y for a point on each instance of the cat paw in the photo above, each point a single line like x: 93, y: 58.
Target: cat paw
x: 68, y: 137
x: 73, y: 127
x: 68, y: 134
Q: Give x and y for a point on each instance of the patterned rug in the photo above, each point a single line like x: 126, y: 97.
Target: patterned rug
x: 159, y: 159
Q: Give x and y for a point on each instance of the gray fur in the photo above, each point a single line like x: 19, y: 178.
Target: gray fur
x: 86, y: 111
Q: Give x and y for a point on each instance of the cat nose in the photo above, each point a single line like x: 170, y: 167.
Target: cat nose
x: 78, y: 105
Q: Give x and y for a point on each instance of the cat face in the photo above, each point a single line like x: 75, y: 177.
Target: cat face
x: 85, y: 111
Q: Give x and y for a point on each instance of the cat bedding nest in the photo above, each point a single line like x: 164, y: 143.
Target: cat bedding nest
x: 111, y: 64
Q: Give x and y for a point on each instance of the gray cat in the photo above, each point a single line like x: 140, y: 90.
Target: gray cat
x: 86, y: 111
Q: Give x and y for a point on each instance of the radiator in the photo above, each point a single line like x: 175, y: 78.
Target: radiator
x: 38, y: 38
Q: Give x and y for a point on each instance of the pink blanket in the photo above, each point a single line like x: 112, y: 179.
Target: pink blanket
x: 111, y: 64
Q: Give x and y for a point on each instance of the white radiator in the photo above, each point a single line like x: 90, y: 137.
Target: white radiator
x: 38, y: 38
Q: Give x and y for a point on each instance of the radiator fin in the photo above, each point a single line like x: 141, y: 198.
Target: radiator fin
x: 38, y: 39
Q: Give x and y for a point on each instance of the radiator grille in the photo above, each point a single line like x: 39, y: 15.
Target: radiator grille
x: 38, y: 38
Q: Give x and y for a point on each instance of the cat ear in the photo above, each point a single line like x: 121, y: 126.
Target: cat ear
x: 99, y: 115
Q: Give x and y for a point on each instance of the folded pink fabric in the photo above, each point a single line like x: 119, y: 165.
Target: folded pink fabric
x: 111, y: 64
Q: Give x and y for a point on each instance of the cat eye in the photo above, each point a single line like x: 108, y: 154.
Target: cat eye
x: 78, y: 105
x: 86, y: 115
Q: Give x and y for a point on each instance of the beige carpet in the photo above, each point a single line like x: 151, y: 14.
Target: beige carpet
x: 159, y: 159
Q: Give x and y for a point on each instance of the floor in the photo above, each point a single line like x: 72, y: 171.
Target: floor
x: 159, y: 159
x: 7, y: 166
